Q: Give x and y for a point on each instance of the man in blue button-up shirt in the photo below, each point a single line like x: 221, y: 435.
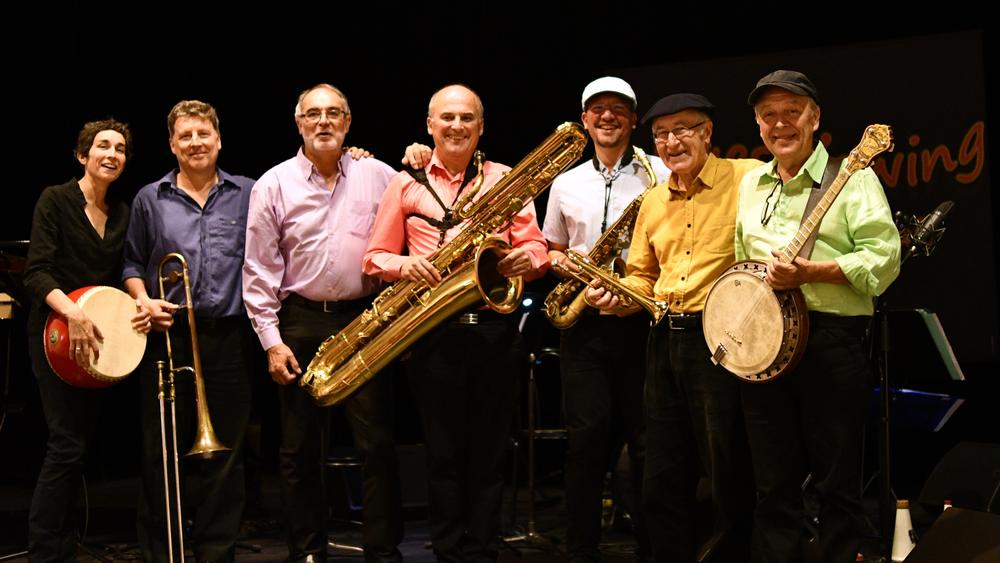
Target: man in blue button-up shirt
x: 201, y: 212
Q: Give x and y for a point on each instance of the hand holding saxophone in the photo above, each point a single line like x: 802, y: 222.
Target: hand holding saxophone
x: 517, y: 263
x: 600, y: 298
x: 561, y: 265
x: 420, y: 269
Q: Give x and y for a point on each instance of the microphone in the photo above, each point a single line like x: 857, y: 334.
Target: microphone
x: 929, y: 229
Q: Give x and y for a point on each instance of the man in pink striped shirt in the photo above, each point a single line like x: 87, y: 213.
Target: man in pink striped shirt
x: 307, y: 230
x: 462, y: 374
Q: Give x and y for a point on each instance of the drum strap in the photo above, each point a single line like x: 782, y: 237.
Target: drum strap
x: 819, y: 188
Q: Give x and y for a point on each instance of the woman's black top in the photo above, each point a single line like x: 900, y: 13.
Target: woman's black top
x: 66, y: 252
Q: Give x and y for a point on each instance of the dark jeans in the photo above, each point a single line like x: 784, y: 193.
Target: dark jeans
x: 71, y: 414
x: 811, y: 420
x: 217, y: 508
x: 603, y: 362
x: 304, y: 445
x: 465, y: 380
x: 694, y: 425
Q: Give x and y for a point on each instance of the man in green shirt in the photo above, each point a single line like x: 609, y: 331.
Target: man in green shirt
x: 810, y: 419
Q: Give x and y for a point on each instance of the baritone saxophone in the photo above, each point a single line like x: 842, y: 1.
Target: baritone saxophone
x: 407, y: 310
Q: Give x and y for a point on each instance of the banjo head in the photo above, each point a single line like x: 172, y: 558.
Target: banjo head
x: 751, y: 330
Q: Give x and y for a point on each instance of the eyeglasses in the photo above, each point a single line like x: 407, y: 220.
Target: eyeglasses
x: 682, y: 132
x: 768, y: 211
x: 315, y: 115
x: 617, y: 109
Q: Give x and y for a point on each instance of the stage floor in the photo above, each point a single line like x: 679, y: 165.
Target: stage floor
x: 111, y: 527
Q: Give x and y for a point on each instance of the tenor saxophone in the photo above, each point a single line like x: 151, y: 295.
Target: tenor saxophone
x: 565, y: 303
x: 407, y: 310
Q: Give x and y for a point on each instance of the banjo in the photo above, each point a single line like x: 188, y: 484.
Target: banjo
x: 758, y: 333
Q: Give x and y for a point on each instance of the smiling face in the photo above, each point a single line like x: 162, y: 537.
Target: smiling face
x: 787, y: 122
x: 105, y: 160
x: 685, y: 154
x: 455, y: 121
x: 609, y: 119
x: 325, y: 134
x: 196, y: 143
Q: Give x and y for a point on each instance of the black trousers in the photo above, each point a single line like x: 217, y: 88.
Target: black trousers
x: 303, y: 448
x: 694, y: 426
x: 216, y: 507
x: 71, y: 414
x: 465, y: 380
x: 603, y: 362
x: 811, y: 420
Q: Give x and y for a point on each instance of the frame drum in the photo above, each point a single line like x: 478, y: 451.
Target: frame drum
x: 111, y: 310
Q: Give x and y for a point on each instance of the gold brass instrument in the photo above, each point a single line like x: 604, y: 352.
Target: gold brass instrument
x: 205, y: 444
x: 565, y: 303
x: 610, y: 281
x: 407, y: 310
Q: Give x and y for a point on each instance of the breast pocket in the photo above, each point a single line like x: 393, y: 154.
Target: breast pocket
x: 361, y: 219
x: 230, y: 236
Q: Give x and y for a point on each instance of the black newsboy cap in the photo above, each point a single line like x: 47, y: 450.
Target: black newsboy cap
x: 793, y: 81
x: 678, y: 102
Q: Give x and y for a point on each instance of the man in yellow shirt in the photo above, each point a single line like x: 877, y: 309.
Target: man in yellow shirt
x: 683, y: 240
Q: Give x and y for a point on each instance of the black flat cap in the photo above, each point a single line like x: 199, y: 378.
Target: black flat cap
x: 678, y: 102
x: 793, y: 81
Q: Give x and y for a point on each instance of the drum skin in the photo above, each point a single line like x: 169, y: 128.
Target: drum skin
x: 111, y: 310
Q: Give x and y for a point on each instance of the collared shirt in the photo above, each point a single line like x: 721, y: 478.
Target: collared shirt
x: 166, y: 219
x: 66, y: 252
x: 304, y: 238
x: 575, y: 210
x: 857, y: 232
x: 394, y: 231
x: 683, y: 238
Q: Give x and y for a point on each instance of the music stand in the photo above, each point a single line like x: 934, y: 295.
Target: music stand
x: 929, y: 362
x: 530, y: 537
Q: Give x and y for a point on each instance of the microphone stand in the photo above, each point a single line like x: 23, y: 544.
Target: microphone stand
x: 887, y: 500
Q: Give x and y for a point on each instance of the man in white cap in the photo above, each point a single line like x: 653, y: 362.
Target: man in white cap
x: 683, y: 240
x: 602, y: 356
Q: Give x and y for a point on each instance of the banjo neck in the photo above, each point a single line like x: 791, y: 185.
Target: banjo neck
x: 876, y: 139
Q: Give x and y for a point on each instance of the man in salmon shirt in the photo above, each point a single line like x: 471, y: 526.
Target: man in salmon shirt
x: 463, y: 371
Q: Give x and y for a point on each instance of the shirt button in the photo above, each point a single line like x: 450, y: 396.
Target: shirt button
x: 688, y: 252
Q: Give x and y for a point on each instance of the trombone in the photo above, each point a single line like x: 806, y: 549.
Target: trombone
x: 206, y: 444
